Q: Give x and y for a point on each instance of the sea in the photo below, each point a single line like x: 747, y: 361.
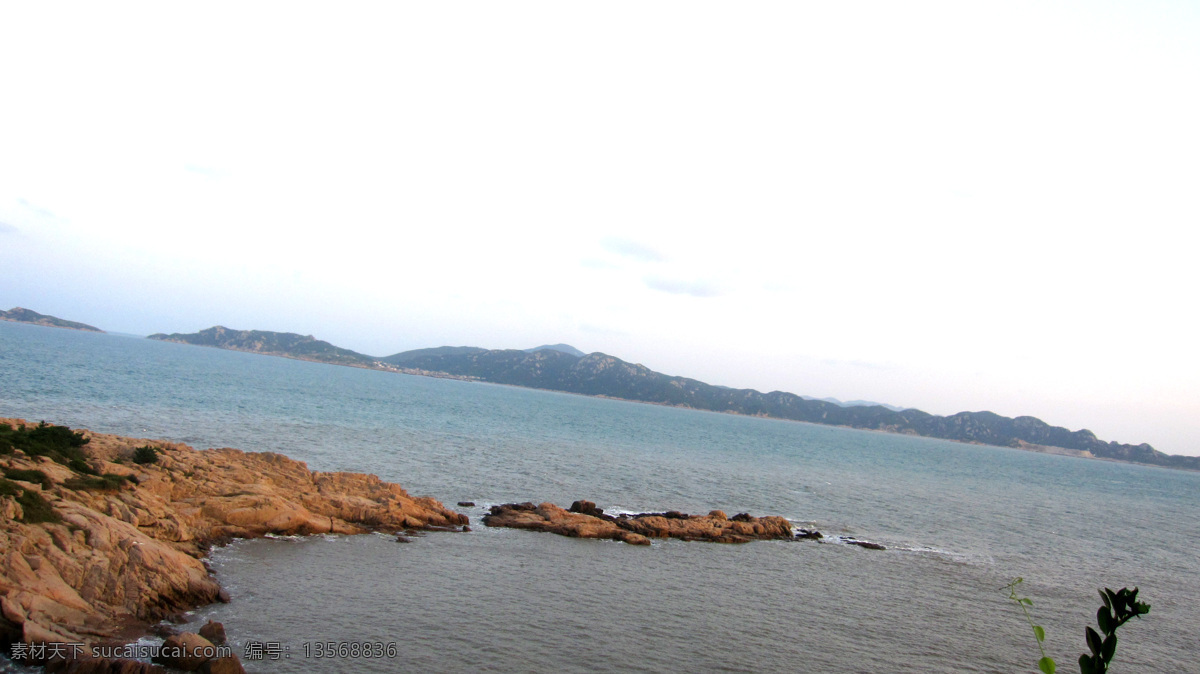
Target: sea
x: 959, y: 523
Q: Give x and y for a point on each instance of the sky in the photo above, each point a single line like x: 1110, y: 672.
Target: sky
x: 944, y: 205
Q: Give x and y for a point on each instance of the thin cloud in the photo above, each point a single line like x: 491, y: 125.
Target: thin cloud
x: 600, y: 330
x: 862, y: 364
x: 204, y: 171
x: 37, y: 209
x: 632, y: 250
x: 6, y: 228
x: 593, y: 263
x: 696, y: 288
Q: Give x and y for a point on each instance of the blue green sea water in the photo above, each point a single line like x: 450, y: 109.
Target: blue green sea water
x: 959, y: 522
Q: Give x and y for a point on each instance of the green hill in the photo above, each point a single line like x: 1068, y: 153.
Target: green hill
x: 22, y: 315
x: 287, y: 344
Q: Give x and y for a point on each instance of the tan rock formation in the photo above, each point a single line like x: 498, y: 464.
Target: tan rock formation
x: 124, y: 557
x: 185, y: 651
x: 214, y: 632
x: 585, y: 520
x: 549, y: 517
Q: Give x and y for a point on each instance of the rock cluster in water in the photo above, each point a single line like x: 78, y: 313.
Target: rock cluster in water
x: 122, y: 557
x: 585, y: 520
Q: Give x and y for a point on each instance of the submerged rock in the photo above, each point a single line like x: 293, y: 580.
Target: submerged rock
x: 866, y: 544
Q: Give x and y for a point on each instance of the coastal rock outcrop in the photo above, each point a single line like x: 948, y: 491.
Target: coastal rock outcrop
x: 585, y: 520
x: 186, y: 651
x: 95, y: 545
x: 214, y: 632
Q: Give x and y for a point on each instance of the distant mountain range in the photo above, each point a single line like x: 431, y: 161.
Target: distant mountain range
x: 22, y: 315
x: 560, y: 367
x: 565, y: 348
x: 857, y: 403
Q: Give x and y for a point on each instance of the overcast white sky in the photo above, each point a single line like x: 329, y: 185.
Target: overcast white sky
x: 952, y: 206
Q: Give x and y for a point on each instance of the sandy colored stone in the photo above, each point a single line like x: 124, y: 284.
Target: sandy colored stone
x: 186, y: 651
x: 214, y: 632
x: 591, y: 522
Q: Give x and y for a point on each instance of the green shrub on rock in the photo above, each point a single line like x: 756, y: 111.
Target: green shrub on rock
x: 8, y: 488
x: 34, y: 476
x: 36, y: 508
x: 145, y: 455
x: 59, y: 443
x: 105, y: 482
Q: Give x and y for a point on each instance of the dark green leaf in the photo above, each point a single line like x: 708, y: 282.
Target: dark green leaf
x: 1110, y: 647
x: 1093, y: 641
x: 1102, y: 617
x: 1121, y: 601
x: 1105, y: 599
x: 1085, y: 665
x: 1039, y: 633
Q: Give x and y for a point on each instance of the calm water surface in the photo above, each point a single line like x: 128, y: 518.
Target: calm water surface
x: 959, y: 522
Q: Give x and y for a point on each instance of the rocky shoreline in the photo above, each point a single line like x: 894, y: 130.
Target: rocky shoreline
x: 98, y: 546
x: 102, y: 536
x: 585, y: 520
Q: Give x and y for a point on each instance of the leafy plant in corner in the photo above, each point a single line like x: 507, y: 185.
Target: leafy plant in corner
x: 1119, y: 607
x: 1046, y: 664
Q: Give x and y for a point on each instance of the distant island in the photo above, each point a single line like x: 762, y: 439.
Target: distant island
x: 286, y: 344
x: 560, y: 368
x: 23, y: 315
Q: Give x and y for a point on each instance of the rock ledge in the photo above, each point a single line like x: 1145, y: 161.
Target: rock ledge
x: 127, y: 552
x: 585, y: 520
